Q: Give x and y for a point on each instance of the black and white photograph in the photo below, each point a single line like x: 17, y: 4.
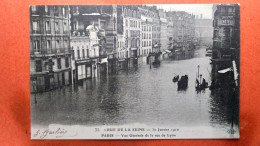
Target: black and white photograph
x: 150, y: 71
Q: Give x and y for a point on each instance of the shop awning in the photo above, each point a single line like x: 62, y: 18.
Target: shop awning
x: 225, y: 70
x: 167, y: 51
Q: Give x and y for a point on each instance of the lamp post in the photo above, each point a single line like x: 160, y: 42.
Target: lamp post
x: 198, y: 70
x: 35, y: 90
x: 150, y: 61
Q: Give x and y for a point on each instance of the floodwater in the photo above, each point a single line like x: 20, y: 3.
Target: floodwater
x: 141, y: 95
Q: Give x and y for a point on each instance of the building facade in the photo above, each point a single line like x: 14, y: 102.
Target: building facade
x: 132, y: 33
x: 146, y: 24
x: 50, y: 54
x: 88, y: 41
x: 183, y: 30
x: 226, y: 37
x: 164, y: 40
x: 204, y: 31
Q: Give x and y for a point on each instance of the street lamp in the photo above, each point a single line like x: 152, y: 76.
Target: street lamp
x: 35, y: 89
x: 198, y: 70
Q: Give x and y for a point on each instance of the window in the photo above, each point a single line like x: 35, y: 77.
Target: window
x: 126, y: 22
x: 126, y: 33
x: 38, y: 64
x: 67, y: 62
x: 46, y: 9
x: 34, y: 9
x: 75, y: 25
x: 87, y: 53
x: 36, y: 46
x: 57, y: 26
x: 102, y: 24
x: 83, y: 53
x: 78, y: 54
x: 57, y: 43
x: 65, y: 26
x: 73, y: 55
x: 64, y: 12
x: 47, y: 27
x: 56, y: 11
x: 59, y: 63
x: 66, y: 45
x: 48, y: 44
x: 36, y: 27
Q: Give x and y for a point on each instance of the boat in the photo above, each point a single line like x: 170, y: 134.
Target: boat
x: 201, y: 86
x: 175, y: 78
x: 183, y: 82
x: 198, y: 85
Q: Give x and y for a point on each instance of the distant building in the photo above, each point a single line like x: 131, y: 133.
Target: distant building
x: 147, y: 24
x: 204, y: 31
x: 183, y: 30
x: 164, y: 40
x: 50, y: 54
x: 132, y: 33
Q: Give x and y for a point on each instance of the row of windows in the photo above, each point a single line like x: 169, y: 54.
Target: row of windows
x: 146, y: 28
x: 37, y: 45
x: 146, y: 43
x: 122, y: 54
x: 39, y: 64
x: 121, y: 44
x: 156, y: 35
x: 133, y: 23
x: 148, y: 13
x: 133, y: 33
x: 156, y: 28
x: 36, y: 27
x: 132, y: 13
x: 227, y: 9
x: 80, y: 55
x: 146, y: 51
x: 146, y: 36
x: 46, y: 10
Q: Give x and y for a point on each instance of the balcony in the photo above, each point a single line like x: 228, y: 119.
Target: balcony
x: 48, y: 31
x: 36, y: 32
x: 57, y: 31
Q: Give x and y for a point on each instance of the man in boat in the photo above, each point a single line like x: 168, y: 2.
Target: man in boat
x: 204, y: 83
x: 197, y: 83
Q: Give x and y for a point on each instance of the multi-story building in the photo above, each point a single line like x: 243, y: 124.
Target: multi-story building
x: 204, y: 31
x: 146, y: 37
x: 183, y: 30
x: 171, y: 42
x: 163, y: 30
x: 88, y: 41
x: 132, y: 27
x: 146, y: 24
x: 226, y: 37
x: 85, y: 47
x: 50, y: 55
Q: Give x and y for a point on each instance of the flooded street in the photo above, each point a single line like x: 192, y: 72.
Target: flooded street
x: 140, y: 95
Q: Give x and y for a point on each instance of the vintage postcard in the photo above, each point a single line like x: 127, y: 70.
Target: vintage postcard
x: 164, y: 71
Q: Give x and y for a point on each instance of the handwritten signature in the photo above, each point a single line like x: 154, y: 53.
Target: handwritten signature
x: 58, y: 133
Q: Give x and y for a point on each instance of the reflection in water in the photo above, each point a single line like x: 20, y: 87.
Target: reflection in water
x: 140, y: 95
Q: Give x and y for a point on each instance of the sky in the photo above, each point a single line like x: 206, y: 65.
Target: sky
x: 196, y: 9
